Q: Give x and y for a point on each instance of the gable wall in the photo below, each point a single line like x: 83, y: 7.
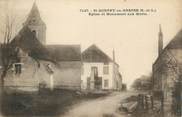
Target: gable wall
x: 86, y: 67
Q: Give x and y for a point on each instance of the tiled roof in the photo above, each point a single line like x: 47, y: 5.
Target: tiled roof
x: 65, y: 52
x: 29, y: 43
x: 174, y: 49
x: 94, y: 54
x: 176, y: 42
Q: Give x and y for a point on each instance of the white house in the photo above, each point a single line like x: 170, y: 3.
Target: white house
x: 99, y: 71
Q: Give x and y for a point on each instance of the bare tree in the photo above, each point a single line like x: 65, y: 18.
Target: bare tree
x: 7, y: 31
x: 6, y: 50
x: 143, y: 83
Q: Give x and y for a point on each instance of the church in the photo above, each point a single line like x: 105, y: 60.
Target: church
x: 167, y: 68
x: 54, y: 66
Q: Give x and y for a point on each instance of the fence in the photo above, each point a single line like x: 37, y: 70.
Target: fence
x: 145, y: 102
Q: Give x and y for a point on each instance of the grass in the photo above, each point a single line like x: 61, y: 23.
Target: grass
x: 44, y: 103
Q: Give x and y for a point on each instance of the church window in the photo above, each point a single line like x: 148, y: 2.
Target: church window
x: 35, y: 33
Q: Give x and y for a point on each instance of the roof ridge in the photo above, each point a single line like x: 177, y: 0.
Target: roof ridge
x: 174, y: 38
x: 63, y: 45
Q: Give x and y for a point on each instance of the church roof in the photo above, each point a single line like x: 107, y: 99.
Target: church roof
x: 176, y: 42
x: 65, y: 52
x: 34, y: 16
x: 28, y: 42
x: 94, y: 54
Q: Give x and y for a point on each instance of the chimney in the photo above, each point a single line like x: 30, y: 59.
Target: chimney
x: 160, y: 41
x: 113, y: 53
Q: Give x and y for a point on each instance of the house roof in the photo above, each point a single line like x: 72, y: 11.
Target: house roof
x: 28, y: 42
x: 94, y: 54
x: 65, y: 52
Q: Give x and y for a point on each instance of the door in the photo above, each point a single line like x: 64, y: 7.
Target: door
x: 88, y: 82
x: 98, y: 83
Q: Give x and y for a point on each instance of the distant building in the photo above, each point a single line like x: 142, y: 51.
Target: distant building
x: 99, y: 71
x: 56, y: 66
x: 168, y: 66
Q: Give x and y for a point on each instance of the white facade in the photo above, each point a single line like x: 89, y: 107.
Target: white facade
x: 107, y: 73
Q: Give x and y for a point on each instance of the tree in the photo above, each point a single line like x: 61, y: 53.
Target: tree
x: 7, y: 52
x: 143, y: 83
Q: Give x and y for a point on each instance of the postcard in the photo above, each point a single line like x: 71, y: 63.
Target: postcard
x: 91, y: 58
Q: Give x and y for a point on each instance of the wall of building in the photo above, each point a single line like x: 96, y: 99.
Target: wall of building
x: 66, y: 75
x: 28, y: 79
x: 117, y: 80
x: 165, y: 71
x: 86, y: 72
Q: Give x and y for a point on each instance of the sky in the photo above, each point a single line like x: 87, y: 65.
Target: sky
x: 134, y: 38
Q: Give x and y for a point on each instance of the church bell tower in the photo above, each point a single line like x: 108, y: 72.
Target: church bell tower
x: 36, y: 24
x: 160, y: 41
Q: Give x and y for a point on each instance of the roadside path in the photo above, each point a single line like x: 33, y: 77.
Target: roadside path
x: 101, y: 107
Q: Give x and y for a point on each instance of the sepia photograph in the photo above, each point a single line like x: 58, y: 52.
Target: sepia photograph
x: 90, y: 58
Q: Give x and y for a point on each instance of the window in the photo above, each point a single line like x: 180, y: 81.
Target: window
x: 106, y: 83
x: 106, y: 70
x: 88, y: 82
x: 34, y: 32
x: 18, y: 68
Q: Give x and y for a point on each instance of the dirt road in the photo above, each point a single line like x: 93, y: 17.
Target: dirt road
x: 102, y: 107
